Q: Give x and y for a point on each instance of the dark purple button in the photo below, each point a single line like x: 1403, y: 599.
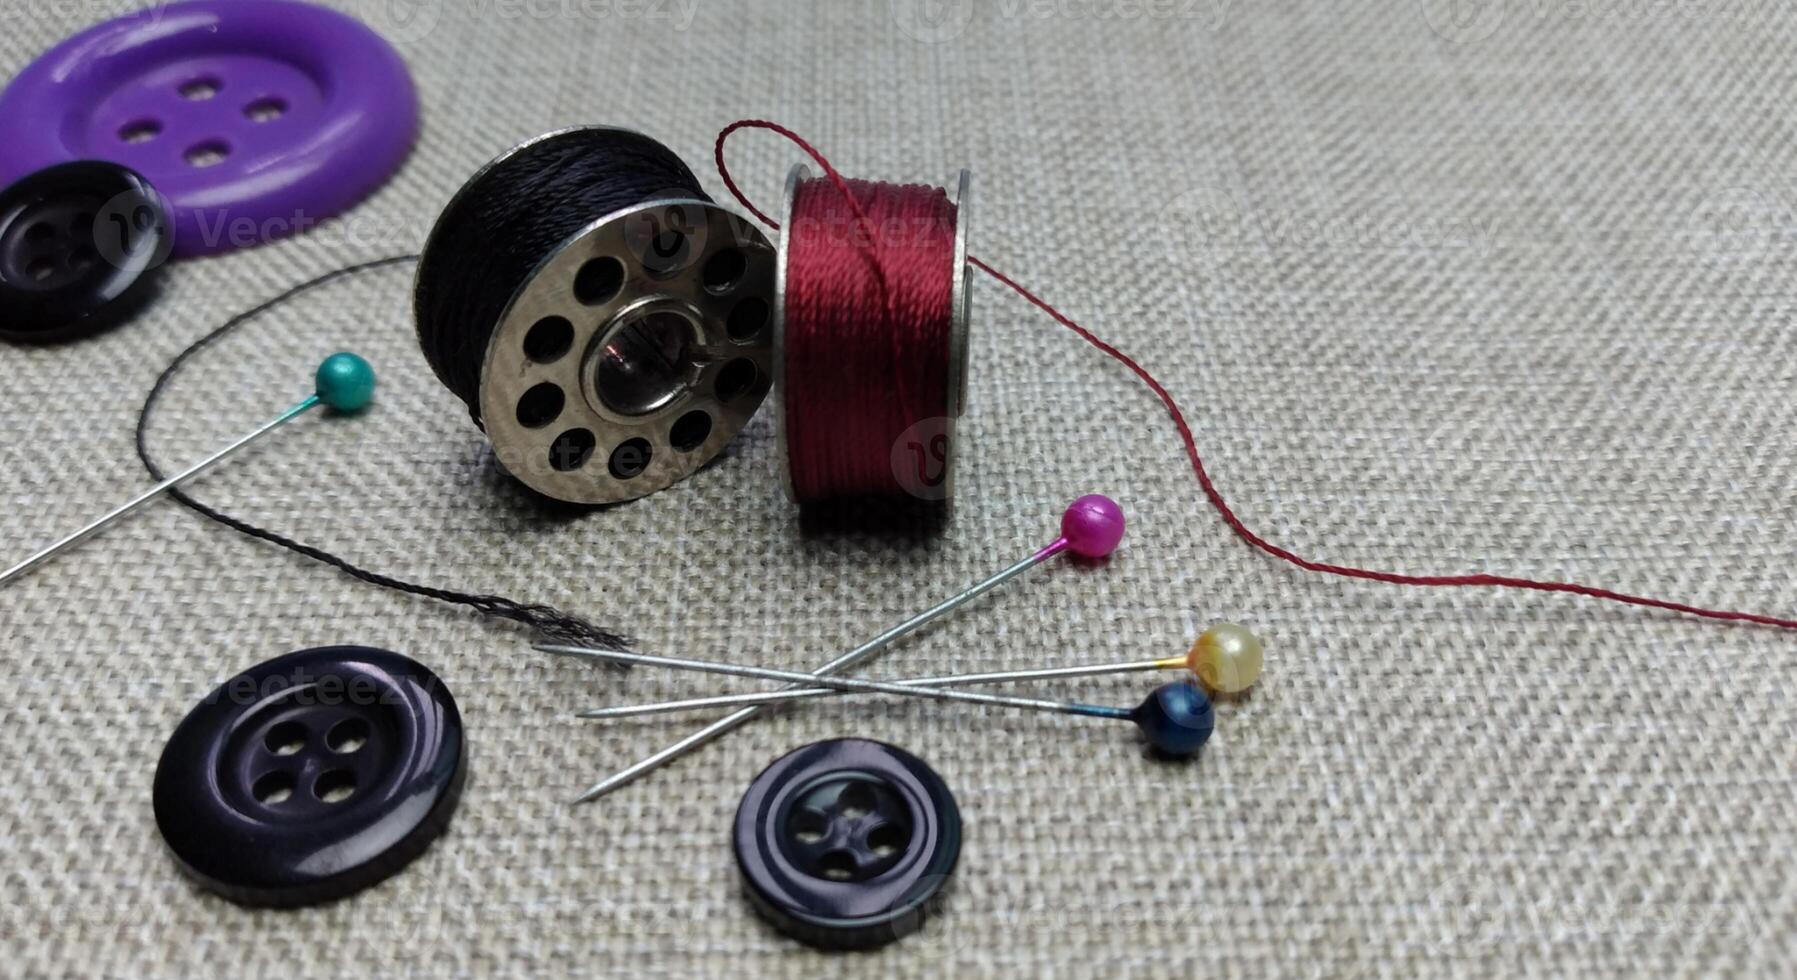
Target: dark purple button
x: 846, y: 844
x: 254, y: 119
x: 311, y: 776
x: 79, y: 243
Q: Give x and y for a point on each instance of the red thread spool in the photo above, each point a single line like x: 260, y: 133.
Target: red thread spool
x: 870, y: 335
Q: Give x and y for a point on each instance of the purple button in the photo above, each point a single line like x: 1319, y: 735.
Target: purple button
x: 253, y: 118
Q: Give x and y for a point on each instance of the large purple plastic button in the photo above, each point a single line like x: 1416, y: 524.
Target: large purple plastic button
x: 253, y: 118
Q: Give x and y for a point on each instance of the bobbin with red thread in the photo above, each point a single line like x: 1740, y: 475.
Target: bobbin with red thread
x: 922, y: 457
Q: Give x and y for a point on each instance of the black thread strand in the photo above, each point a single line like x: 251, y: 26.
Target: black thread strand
x: 543, y: 619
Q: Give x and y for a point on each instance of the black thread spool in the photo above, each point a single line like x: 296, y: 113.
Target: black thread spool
x: 607, y: 324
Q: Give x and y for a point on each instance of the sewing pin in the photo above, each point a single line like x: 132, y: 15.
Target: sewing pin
x: 345, y: 383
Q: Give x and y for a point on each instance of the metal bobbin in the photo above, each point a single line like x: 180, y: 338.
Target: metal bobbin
x: 633, y: 352
x: 940, y: 485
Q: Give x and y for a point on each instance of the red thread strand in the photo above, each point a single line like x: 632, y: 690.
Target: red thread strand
x: 866, y: 330
x: 1211, y: 493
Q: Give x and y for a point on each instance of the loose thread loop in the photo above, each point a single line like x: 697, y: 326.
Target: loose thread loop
x: 1211, y: 493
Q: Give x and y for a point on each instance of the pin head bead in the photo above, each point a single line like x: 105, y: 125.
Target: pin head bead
x: 1092, y: 526
x: 1226, y: 658
x: 1177, y: 718
x: 345, y: 382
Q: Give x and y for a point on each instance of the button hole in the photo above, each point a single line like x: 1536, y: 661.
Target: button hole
x: 265, y: 110
x: 335, y: 786
x: 885, y: 840
x: 837, y: 865
x: 855, y: 802
x: 285, y: 738
x: 347, y: 736
x: 807, y: 826
x: 140, y: 131
x: 211, y: 153
x: 200, y: 89
x: 273, y: 788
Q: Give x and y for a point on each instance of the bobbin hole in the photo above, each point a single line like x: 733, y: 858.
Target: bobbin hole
x: 631, y: 458
x: 644, y: 362
x: 598, y: 280
x: 736, y: 379
x: 571, y: 449
x: 541, y: 405
x: 724, y: 270
x: 746, y: 319
x: 690, y: 431
x: 548, y: 339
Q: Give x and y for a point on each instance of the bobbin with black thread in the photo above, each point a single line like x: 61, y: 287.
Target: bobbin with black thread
x: 960, y: 313
x: 686, y: 283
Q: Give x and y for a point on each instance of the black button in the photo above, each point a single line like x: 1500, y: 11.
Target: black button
x: 845, y: 844
x: 78, y: 244
x: 311, y: 776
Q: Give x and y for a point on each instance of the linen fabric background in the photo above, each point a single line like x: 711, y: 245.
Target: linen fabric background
x: 1497, y: 285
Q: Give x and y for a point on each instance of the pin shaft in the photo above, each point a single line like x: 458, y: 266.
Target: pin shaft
x: 847, y: 660
x: 840, y: 684
x: 949, y: 680
x: 159, y: 489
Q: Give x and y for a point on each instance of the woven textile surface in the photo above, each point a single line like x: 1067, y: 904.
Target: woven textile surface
x: 1501, y: 285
